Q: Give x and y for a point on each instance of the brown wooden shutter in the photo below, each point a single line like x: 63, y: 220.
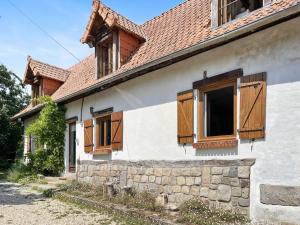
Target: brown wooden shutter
x: 253, y: 106
x: 88, y: 136
x: 185, y: 114
x: 117, y: 130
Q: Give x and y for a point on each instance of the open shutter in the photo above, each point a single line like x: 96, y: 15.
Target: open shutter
x: 253, y: 106
x: 185, y: 114
x: 117, y: 130
x: 88, y: 136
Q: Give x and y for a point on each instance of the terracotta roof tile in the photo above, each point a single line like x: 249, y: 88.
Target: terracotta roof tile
x: 112, y: 19
x: 82, y: 75
x: 181, y: 27
x: 45, y: 70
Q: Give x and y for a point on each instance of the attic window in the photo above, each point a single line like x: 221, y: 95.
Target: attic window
x: 105, y: 58
x: 232, y: 9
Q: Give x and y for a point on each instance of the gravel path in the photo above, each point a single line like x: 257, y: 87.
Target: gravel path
x: 19, y: 206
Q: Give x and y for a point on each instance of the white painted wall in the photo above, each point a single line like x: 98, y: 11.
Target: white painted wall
x: 150, y: 111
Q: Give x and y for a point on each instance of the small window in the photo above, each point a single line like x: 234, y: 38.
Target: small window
x: 217, y: 110
x: 103, y: 132
x: 105, y: 58
x: 35, y: 93
x: 233, y: 9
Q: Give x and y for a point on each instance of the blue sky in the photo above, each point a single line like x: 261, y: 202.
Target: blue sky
x: 65, y: 20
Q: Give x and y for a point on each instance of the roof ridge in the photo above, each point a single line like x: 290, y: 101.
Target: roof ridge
x: 164, y: 13
x: 47, y: 64
x: 119, y: 14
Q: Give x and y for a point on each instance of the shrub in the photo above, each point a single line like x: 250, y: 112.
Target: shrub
x: 18, y: 171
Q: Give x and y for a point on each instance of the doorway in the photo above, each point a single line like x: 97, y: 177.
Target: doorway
x: 72, y: 147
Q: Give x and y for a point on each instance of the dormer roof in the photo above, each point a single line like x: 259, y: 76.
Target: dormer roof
x: 101, y: 14
x: 177, y: 34
x: 36, y: 68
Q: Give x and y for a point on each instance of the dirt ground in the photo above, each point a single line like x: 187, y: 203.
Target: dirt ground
x: 21, y: 206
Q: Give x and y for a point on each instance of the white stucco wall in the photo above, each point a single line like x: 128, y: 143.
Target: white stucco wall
x: 150, y: 112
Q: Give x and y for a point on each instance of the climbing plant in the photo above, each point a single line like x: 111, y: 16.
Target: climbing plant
x: 49, y: 133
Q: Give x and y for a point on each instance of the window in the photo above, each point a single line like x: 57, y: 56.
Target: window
x: 103, y: 132
x: 219, y: 105
x: 231, y: 9
x: 105, y: 58
x: 217, y: 109
x: 35, y: 93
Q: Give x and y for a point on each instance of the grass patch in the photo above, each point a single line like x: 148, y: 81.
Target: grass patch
x: 20, y: 173
x: 143, y: 200
x: 198, y: 213
x: 113, y: 216
x: 3, y: 174
x: 193, y: 212
x: 47, y: 193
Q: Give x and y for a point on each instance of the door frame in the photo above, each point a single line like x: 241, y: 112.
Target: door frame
x: 71, y: 169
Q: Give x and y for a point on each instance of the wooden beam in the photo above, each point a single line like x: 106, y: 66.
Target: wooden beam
x: 234, y: 74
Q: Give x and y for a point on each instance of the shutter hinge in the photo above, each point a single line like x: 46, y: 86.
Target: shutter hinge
x: 249, y: 130
x: 185, y: 136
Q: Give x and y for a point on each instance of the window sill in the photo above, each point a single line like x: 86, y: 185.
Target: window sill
x: 209, y: 143
x: 102, y: 151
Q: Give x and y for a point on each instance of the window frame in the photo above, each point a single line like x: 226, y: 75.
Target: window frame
x: 101, y: 71
x: 98, y: 147
x: 201, y: 110
x: 222, y: 9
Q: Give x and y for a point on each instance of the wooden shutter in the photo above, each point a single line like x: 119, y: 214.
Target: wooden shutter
x: 253, y: 106
x: 185, y: 114
x: 117, y: 130
x: 88, y: 136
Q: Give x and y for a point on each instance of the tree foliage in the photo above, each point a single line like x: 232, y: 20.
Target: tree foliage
x: 49, y: 133
x: 13, y: 98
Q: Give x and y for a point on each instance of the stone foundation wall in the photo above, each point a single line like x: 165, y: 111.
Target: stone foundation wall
x: 222, y: 183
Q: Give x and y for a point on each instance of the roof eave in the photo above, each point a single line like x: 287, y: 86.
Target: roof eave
x: 206, y: 45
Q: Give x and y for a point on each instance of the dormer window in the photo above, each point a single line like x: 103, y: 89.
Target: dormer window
x: 107, y: 52
x: 105, y: 58
x: 229, y: 10
x: 114, y: 37
x: 36, y: 93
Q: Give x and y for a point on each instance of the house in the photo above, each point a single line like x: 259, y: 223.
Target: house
x: 201, y: 101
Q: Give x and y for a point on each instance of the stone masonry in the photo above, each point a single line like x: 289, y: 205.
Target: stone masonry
x: 222, y: 183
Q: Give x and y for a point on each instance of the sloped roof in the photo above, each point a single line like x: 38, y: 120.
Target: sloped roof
x: 111, y: 18
x: 37, y: 68
x: 182, y: 27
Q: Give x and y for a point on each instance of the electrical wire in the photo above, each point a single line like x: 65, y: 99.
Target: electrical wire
x: 41, y: 29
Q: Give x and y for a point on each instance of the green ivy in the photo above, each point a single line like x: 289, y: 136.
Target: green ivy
x: 49, y: 132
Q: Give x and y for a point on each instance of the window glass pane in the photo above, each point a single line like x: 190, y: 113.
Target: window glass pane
x: 101, y: 139
x: 220, y: 112
x: 104, y: 126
